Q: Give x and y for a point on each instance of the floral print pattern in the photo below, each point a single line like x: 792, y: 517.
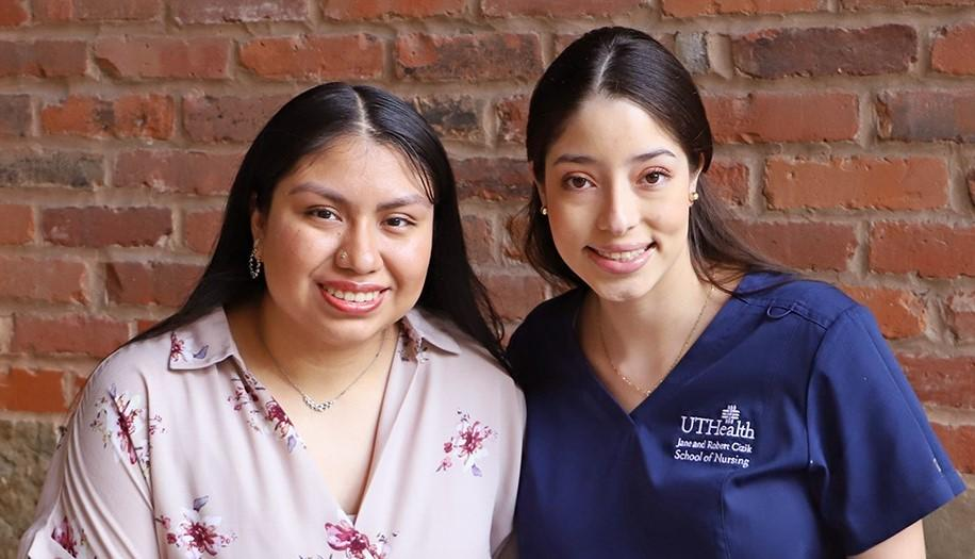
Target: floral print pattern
x: 71, y: 539
x: 196, y: 534
x: 356, y: 545
x: 262, y: 418
x: 467, y: 445
x: 121, y: 420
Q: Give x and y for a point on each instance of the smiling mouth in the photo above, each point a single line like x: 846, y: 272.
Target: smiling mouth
x: 353, y: 296
x: 623, y: 256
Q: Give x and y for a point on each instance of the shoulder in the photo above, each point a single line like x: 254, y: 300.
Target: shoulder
x: 546, y: 317
x: 815, y: 302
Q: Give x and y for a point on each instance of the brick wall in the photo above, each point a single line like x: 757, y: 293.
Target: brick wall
x: 846, y: 129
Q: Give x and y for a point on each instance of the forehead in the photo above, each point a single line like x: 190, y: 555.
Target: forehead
x: 361, y: 168
x: 612, y: 129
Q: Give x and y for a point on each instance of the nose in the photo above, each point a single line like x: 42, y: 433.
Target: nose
x: 359, y: 250
x: 620, y: 210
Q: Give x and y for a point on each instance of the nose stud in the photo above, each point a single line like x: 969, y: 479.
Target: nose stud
x: 343, y: 257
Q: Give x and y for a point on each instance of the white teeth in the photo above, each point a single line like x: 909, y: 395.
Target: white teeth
x: 353, y: 297
x: 622, y: 256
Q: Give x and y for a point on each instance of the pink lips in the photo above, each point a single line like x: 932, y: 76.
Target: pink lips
x: 620, y: 267
x: 353, y: 307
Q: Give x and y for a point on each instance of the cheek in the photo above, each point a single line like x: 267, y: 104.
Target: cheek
x: 409, y: 258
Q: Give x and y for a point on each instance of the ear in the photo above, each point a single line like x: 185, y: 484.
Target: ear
x: 258, y: 223
x: 695, y: 175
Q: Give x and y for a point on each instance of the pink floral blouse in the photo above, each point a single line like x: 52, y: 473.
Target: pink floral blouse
x: 177, y: 451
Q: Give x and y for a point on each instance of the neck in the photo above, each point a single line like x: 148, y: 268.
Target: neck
x: 304, y: 355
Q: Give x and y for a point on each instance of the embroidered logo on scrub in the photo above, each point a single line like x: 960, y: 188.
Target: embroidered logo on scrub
x: 724, y: 440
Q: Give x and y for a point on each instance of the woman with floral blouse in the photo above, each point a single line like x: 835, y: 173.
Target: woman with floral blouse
x: 330, y: 389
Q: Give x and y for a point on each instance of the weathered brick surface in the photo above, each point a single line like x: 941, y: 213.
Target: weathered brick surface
x: 13, y: 13
x: 729, y: 181
x: 202, y: 229
x: 16, y: 224
x: 343, y: 10
x: 954, y: 50
x: 43, y: 58
x: 145, y: 116
x: 153, y: 283
x: 514, y: 295
x: 230, y: 11
x: 54, y: 168
x: 512, y: 114
x: 32, y: 391
x: 901, y: 314
x: 188, y: 172
x: 961, y: 316
x: 941, y: 381
x: 15, y: 115
x: 562, y: 8
x: 931, y: 250
x: 25, y: 451
x: 777, y: 53
x: 493, y: 179
x: 163, y: 57
x: 325, y: 58
x: 479, y: 238
x: 855, y: 5
x: 927, y: 116
x: 692, y: 8
x: 959, y: 441
x: 68, y: 334
x: 99, y: 226
x: 228, y: 119
x: 44, y: 281
x: 480, y: 57
x: 453, y: 118
x: 804, y: 245
x: 857, y: 183
x: 783, y: 117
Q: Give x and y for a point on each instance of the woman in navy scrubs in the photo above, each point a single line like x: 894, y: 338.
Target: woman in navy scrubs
x: 688, y: 399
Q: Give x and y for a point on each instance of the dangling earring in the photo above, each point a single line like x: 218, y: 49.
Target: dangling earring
x: 694, y: 196
x: 254, y: 263
x: 544, y: 210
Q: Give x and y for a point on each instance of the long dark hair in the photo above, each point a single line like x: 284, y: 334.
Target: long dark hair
x: 304, y: 126
x: 628, y: 64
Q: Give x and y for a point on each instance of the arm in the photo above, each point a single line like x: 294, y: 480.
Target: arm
x: 96, y: 500
x: 906, y: 544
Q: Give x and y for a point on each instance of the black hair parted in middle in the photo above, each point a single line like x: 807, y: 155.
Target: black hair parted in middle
x: 308, y: 125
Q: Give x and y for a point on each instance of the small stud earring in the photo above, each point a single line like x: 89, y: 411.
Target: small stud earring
x: 544, y: 210
x: 694, y: 196
x: 254, y: 263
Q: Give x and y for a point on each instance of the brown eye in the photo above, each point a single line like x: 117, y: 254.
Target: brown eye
x: 654, y: 177
x: 577, y: 182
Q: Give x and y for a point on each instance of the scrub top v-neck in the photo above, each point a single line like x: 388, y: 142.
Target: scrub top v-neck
x: 787, y: 430
x: 175, y: 450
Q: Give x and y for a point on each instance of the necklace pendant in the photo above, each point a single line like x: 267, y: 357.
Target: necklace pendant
x: 317, y: 406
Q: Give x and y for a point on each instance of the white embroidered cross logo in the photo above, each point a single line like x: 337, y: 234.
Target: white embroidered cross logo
x: 730, y: 414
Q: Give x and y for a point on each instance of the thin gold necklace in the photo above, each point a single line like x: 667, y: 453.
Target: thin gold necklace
x: 313, y: 404
x: 646, y: 391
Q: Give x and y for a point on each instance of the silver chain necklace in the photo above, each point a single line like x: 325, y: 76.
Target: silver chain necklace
x: 313, y: 404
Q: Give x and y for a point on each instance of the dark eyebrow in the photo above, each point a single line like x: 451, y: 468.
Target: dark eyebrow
x: 589, y: 160
x: 339, y: 199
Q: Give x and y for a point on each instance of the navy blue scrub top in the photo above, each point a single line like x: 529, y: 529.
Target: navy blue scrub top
x: 787, y: 430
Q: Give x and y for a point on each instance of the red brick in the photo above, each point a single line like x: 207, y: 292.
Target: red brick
x: 777, y: 53
x: 473, y: 58
x: 857, y: 183
x: 71, y: 334
x: 163, y: 57
x: 344, y: 10
x: 39, y: 391
x: 959, y: 442
x: 900, y: 313
x: 53, y: 11
x: 15, y: 115
x: 693, y: 8
x: 493, y: 179
x: 13, y: 13
x: 783, y: 117
x: 228, y: 119
x: 59, y: 168
x: 855, y: 5
x: 925, y: 116
x: 512, y: 113
x: 479, y: 238
x: 232, y: 11
x: 102, y: 226
x: 516, y: 228
x: 185, y: 172
x: 514, y: 296
x: 931, y: 250
x: 134, y: 116
x: 729, y: 181
x: 49, y: 281
x: 559, y: 8
x: 953, y: 51
x: 942, y: 381
x: 201, y: 229
x: 153, y: 283
x: 315, y: 58
x: 43, y: 59
x: 961, y: 317
x: 805, y: 245
x: 113, y: 10
x: 453, y: 118
x: 16, y: 224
